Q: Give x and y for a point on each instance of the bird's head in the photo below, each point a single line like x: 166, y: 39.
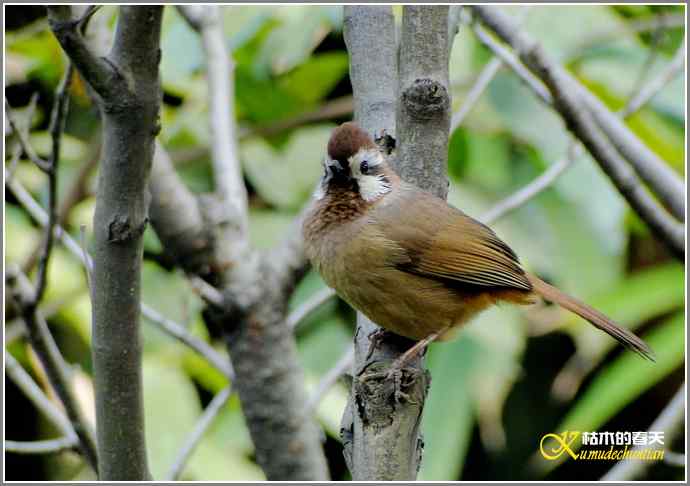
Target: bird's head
x: 355, y: 163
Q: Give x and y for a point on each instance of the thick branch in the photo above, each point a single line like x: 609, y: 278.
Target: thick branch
x: 97, y: 71
x: 255, y: 290
x: 423, y: 110
x: 221, y: 89
x: 566, y: 95
x: 177, y: 218
x: 381, y: 433
x: 370, y: 39
x: 127, y: 83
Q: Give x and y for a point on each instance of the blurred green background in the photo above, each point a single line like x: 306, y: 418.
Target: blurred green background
x: 513, y: 375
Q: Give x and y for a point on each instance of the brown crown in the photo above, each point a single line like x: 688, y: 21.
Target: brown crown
x: 347, y: 140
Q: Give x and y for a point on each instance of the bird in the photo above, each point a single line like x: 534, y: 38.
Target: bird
x: 409, y: 261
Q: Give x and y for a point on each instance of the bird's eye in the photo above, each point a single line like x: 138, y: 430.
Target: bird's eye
x: 364, y: 167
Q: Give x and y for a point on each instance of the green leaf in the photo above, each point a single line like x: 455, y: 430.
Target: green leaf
x: 448, y: 412
x: 312, y: 80
x: 625, y: 379
x: 286, y: 178
x: 267, y: 227
x: 182, y: 54
x: 167, y: 426
x: 293, y: 41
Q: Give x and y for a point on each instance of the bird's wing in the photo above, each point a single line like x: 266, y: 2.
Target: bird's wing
x: 441, y: 242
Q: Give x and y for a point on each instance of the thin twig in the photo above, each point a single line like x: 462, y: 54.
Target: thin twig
x: 180, y: 333
x: 195, y: 436
x: 34, y: 393
x: 532, y: 189
x: 340, y: 368
x: 50, y: 446
x: 636, y: 102
x: 56, y: 128
x: 482, y: 82
x: 674, y: 458
x: 650, y: 89
x: 167, y: 325
x: 57, y: 370
x: 510, y: 60
x: 586, y: 123
x: 206, y: 291
x: 309, y: 306
x: 85, y: 255
x: 626, y: 27
x: 23, y: 136
x: 669, y: 422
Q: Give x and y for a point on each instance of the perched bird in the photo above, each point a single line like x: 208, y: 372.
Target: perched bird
x: 410, y: 262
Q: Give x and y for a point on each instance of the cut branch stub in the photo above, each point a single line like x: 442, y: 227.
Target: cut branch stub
x: 425, y: 99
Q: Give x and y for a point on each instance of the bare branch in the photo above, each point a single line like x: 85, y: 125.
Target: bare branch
x: 97, y: 71
x: 23, y: 136
x: 637, y: 101
x: 255, y: 290
x: 372, y: 430
x: 34, y: 393
x: 221, y: 363
x: 202, y: 425
x: 674, y: 459
x: 648, y: 91
x: 168, y: 326
x: 510, y: 60
x: 128, y: 86
x: 177, y: 217
x: 50, y: 446
x: 56, y: 368
x: 670, y: 422
x: 57, y: 126
x: 566, y: 93
x: 423, y: 110
x: 308, y: 306
x: 373, y: 67
x: 532, y: 189
x: 483, y: 80
x: 207, y: 20
x: 342, y: 366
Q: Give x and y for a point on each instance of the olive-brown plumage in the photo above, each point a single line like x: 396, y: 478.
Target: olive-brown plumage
x: 406, y: 259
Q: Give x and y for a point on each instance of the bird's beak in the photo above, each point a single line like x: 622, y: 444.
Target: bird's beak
x: 335, y: 168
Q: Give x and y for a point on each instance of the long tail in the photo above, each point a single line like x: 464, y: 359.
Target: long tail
x: 596, y: 318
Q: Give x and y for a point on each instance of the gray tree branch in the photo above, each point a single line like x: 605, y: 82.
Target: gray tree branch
x: 54, y: 364
x: 128, y: 86
x: 255, y: 288
x: 380, y: 433
x: 49, y: 446
x: 567, y: 96
x: 670, y: 422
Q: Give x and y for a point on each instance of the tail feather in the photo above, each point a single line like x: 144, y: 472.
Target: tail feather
x: 596, y: 318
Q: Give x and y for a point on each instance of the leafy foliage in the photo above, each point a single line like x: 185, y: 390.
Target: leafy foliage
x: 291, y: 61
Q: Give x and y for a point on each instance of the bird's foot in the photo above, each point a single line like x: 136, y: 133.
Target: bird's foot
x: 403, y: 379
x: 375, y: 338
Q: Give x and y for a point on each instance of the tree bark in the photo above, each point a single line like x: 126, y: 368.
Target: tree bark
x: 127, y: 85
x: 380, y: 427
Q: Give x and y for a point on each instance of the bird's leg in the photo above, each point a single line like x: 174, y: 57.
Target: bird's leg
x: 411, y: 353
x: 375, y: 338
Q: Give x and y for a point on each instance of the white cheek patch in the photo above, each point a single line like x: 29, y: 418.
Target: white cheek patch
x: 373, y: 187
